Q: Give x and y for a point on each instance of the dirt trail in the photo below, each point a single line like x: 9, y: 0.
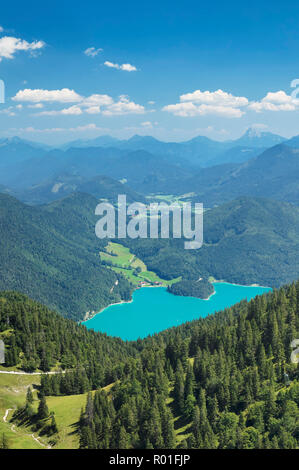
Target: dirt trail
x: 31, y: 373
x: 6, y: 414
x: 13, y: 428
x: 38, y: 441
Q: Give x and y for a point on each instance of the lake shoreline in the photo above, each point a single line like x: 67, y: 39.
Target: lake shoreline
x: 90, y: 315
x: 151, y: 311
x: 241, y: 285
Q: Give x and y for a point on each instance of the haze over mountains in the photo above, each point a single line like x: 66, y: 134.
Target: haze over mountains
x: 214, y: 172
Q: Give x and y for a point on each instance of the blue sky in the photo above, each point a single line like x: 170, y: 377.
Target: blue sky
x: 170, y: 69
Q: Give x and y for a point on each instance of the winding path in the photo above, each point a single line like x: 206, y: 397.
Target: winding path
x: 6, y: 414
x: 30, y: 435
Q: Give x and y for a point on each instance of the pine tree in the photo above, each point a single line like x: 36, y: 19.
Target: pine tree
x: 4, y: 442
x: 43, y: 411
x: 54, y: 428
x: 29, y: 396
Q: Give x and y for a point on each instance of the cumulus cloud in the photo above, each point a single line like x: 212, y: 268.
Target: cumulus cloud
x: 71, y: 111
x: 92, y: 51
x: 96, y: 99
x: 191, y: 109
x: 216, y: 98
x: 9, y: 46
x: 93, y: 104
x: 123, y: 106
x: 200, y: 103
x: 221, y: 103
x: 274, y: 101
x: 1, y: 29
x: 93, y: 110
x: 65, y: 95
x: 125, y: 67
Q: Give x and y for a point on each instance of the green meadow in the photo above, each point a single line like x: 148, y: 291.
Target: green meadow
x: 122, y: 261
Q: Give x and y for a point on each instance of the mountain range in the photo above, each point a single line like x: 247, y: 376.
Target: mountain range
x: 211, y: 169
x: 273, y: 174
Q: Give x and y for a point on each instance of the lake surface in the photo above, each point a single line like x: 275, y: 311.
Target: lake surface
x: 154, y: 309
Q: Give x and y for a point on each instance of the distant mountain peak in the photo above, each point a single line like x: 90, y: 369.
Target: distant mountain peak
x: 259, y: 137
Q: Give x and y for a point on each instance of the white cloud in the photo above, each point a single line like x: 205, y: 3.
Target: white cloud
x: 123, y: 106
x: 216, y: 98
x: 72, y: 111
x: 8, y: 111
x: 10, y: 45
x: 100, y: 100
x: 92, y: 51
x: 35, y: 106
x: 93, y: 104
x: 125, y: 67
x: 11, y: 110
x: 84, y: 128
x: 147, y: 124
x: 65, y: 95
x: 1, y: 29
x: 93, y: 110
x: 274, y: 101
x: 128, y: 67
x: 221, y: 103
x: 201, y: 103
x: 190, y: 109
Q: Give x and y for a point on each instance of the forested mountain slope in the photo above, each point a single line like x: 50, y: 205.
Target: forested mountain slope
x: 246, y: 241
x: 51, y: 254
x: 38, y: 338
x: 101, y: 187
x: 225, y: 381
x: 273, y: 174
x: 239, y: 390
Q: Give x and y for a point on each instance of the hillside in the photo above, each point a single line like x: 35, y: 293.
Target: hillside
x: 51, y: 253
x: 222, y: 382
x: 273, y: 174
x: 101, y: 187
x: 37, y: 338
x: 246, y: 241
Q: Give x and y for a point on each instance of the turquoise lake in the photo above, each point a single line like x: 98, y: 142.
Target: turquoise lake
x: 154, y: 309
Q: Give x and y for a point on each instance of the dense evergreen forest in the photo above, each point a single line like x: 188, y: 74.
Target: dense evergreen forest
x: 201, y: 288
x: 226, y: 380
x: 51, y: 254
x: 37, y: 338
x: 228, y: 377
x: 246, y: 241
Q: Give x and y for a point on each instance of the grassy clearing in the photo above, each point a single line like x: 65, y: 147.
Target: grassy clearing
x: 13, y: 389
x: 126, y: 263
x: 67, y: 409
